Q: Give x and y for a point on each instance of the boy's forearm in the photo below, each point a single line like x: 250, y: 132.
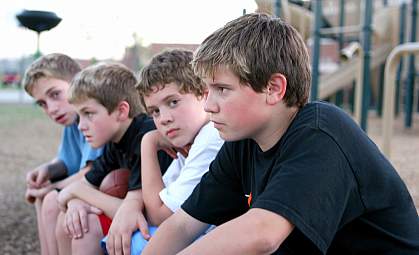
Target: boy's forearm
x: 86, y: 192
x: 152, y: 184
x: 256, y: 232
x: 176, y: 233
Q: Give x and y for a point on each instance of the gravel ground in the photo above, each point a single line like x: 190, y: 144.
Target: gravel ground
x: 28, y: 139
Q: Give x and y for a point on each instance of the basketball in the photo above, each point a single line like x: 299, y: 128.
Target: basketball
x: 116, y: 183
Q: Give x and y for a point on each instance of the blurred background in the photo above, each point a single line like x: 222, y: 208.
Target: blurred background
x: 349, y: 41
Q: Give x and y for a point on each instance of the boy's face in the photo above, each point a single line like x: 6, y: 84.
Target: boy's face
x: 51, y: 95
x: 177, y: 116
x: 238, y: 112
x: 97, y: 125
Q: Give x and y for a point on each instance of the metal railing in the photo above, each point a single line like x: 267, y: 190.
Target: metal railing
x: 392, y: 64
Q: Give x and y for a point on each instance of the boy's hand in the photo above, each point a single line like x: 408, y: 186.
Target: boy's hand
x: 64, y: 196
x: 159, y: 142
x: 128, y: 219
x: 33, y: 193
x: 38, y: 177
x: 76, y: 223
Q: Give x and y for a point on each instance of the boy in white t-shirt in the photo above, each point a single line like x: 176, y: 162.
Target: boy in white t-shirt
x: 174, y: 96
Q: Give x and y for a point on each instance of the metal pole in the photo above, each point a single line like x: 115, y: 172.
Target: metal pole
x: 316, y: 49
x: 277, y: 8
x: 366, y: 45
x: 411, y: 71
x: 339, y: 94
x: 402, y: 20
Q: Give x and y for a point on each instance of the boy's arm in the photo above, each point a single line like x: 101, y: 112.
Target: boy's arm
x: 83, y: 190
x: 128, y: 219
x: 256, y: 232
x: 151, y: 178
x: 175, y: 233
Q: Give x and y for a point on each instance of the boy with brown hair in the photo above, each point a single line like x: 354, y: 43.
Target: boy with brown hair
x: 294, y: 177
x: 110, y: 113
x: 174, y: 96
x: 47, y: 81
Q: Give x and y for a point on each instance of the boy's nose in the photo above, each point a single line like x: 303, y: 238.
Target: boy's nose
x: 210, y: 105
x: 165, y: 117
x: 82, y: 126
x: 51, y: 107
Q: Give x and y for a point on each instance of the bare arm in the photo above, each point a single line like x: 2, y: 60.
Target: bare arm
x: 174, y: 234
x: 83, y: 190
x: 256, y: 232
x: 151, y: 178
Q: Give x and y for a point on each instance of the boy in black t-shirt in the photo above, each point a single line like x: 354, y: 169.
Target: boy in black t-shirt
x: 295, y: 177
x: 106, y: 100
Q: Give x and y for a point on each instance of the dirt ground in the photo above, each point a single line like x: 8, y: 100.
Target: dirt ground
x: 28, y: 139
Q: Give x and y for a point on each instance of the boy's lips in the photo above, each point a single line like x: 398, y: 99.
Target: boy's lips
x: 217, y: 124
x: 61, y: 118
x: 172, y: 132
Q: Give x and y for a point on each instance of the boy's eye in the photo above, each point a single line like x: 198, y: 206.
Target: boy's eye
x: 55, y: 94
x: 155, y: 113
x: 88, y: 115
x: 173, y: 103
x: 41, y: 104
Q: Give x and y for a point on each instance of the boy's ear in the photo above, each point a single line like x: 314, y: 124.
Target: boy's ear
x: 277, y: 86
x: 123, y: 110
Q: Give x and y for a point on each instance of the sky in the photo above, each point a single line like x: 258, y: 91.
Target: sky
x: 102, y: 29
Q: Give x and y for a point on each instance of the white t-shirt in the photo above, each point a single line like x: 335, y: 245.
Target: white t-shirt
x: 185, y: 173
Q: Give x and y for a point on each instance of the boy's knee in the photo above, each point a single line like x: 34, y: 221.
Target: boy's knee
x: 59, y: 228
x: 50, y: 206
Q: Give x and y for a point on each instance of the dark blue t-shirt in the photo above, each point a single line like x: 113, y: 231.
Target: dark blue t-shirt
x: 326, y: 177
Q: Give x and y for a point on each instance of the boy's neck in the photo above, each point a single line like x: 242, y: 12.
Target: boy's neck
x: 276, y: 128
x: 122, y: 130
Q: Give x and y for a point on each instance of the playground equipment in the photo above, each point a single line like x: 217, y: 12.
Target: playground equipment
x: 376, y: 28
x: 390, y: 89
x: 38, y: 21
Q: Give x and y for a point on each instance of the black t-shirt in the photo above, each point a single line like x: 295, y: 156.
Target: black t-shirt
x: 126, y: 154
x: 326, y: 177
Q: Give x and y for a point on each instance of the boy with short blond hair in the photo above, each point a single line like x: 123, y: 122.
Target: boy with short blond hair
x: 47, y: 81
x: 293, y: 177
x: 173, y: 95
x: 110, y: 113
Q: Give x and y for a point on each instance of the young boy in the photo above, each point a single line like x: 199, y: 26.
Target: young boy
x: 295, y: 177
x: 174, y: 97
x: 47, y: 81
x: 110, y: 113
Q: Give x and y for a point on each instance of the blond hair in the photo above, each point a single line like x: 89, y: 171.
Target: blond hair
x: 253, y: 47
x: 109, y: 84
x: 55, y: 65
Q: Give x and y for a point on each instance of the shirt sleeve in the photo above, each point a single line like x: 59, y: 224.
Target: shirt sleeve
x: 312, y: 187
x: 102, y: 166
x: 202, y: 153
x: 69, y: 150
x: 219, y: 197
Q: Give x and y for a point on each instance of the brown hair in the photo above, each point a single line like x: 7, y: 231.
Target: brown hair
x: 166, y: 67
x: 255, y: 46
x: 107, y: 83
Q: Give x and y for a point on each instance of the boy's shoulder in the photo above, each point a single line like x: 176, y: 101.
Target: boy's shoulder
x: 142, y: 123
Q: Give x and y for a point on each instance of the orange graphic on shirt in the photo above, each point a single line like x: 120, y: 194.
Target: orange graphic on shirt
x: 249, y: 199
